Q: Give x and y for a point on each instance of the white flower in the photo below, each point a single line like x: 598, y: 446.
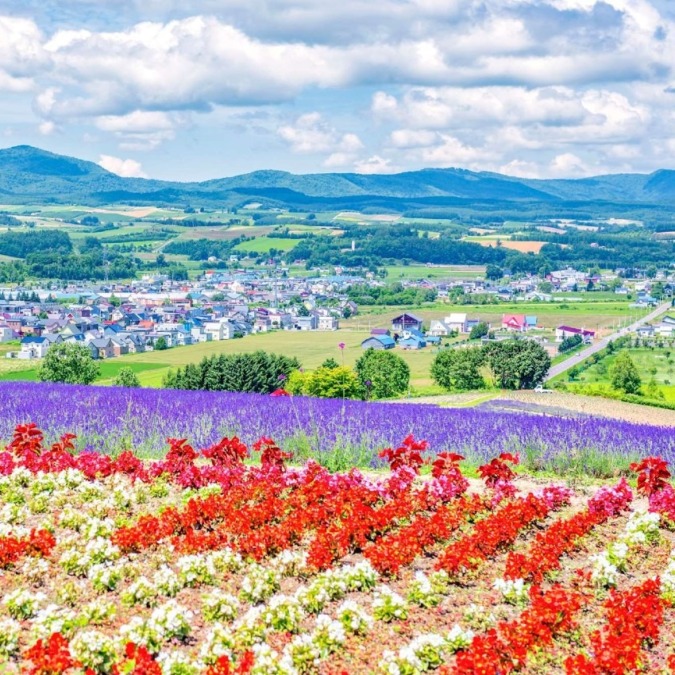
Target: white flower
x: 9, y: 637
x: 514, y: 591
x: 94, y: 650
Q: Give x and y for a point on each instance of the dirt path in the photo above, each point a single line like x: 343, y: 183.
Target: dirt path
x: 557, y: 403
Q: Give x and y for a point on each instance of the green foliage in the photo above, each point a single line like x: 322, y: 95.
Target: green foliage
x: 340, y: 382
x: 387, y: 373
x: 479, y: 330
x: 570, y: 343
x: 517, y: 364
x: 68, y: 362
x: 330, y: 362
x: 394, y: 294
x: 624, y: 375
x: 21, y: 244
x: 494, y: 272
x: 161, y: 344
x: 258, y: 372
x: 652, y: 390
x: 459, y: 369
x: 126, y: 378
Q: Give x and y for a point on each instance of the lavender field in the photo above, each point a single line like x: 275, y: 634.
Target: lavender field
x: 110, y: 419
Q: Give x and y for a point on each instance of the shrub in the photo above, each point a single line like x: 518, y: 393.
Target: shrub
x: 387, y: 373
x: 340, y: 382
x: 126, y: 378
x: 458, y: 369
x: 70, y: 363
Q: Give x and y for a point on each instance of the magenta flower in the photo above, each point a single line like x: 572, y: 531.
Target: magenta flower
x: 341, y: 345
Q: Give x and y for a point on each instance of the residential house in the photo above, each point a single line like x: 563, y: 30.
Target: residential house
x: 412, y: 340
x: 33, y: 347
x: 310, y: 322
x: 6, y: 334
x: 328, y: 323
x: 404, y: 322
x: 667, y: 327
x: 104, y: 348
x: 514, y: 322
x: 222, y: 329
x: 562, y: 332
x: 456, y: 322
x: 379, y: 342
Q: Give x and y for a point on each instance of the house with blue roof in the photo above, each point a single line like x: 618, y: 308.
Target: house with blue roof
x: 379, y: 342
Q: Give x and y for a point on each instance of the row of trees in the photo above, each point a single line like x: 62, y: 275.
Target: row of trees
x: 509, y: 364
x: 257, y: 372
x: 512, y: 364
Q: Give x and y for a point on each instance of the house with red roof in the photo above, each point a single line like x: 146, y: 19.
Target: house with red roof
x: 562, y: 332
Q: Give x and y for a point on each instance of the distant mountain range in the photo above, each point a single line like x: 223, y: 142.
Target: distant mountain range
x: 31, y: 175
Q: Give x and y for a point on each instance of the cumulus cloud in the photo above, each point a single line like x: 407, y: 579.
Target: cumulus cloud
x: 127, y: 168
x: 140, y: 129
x: 311, y: 134
x: 527, y: 84
x: 376, y: 164
x: 21, y: 53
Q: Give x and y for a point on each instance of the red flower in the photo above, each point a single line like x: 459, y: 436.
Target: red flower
x: 652, y: 473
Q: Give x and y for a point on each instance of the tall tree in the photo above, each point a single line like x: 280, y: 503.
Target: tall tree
x: 517, y: 364
x: 383, y: 373
x: 70, y: 363
x: 624, y: 374
x: 459, y: 369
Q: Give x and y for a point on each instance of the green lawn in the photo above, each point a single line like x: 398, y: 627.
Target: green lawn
x: 264, y: 244
x: 311, y: 349
x: 398, y: 272
x: 109, y: 369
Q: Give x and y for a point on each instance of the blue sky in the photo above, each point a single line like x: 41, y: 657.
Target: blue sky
x: 190, y: 90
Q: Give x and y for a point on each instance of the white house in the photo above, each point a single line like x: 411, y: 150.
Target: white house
x: 456, y: 321
x: 33, y: 348
x: 6, y: 334
x: 219, y: 330
x: 667, y: 327
x: 328, y: 323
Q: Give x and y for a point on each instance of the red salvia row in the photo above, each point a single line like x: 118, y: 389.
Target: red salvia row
x: 505, y: 648
x: 395, y: 550
x: 493, y: 534
x: 560, y: 538
x: 633, y: 620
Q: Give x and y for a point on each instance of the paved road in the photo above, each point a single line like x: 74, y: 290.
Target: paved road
x: 601, y: 344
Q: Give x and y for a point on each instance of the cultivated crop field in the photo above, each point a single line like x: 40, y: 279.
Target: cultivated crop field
x: 202, y: 562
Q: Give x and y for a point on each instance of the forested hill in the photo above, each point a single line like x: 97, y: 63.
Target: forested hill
x: 31, y: 175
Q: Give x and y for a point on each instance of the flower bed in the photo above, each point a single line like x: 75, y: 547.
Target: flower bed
x: 337, y: 433
x: 201, y: 564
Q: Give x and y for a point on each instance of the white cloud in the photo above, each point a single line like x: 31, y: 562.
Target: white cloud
x: 141, y: 130
x: 531, y: 84
x: 412, y: 138
x: 47, y: 128
x: 376, y: 164
x: 311, y: 134
x: 127, y: 168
